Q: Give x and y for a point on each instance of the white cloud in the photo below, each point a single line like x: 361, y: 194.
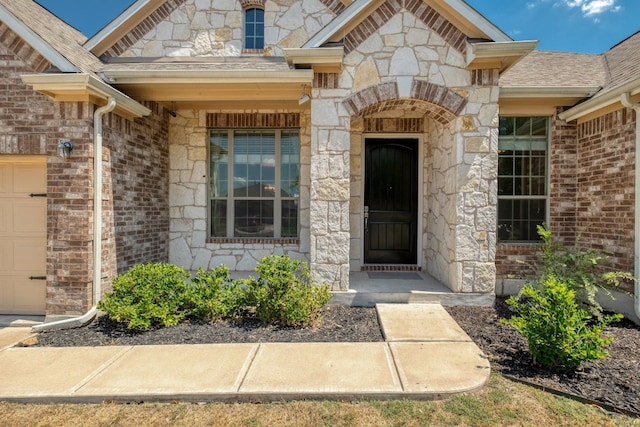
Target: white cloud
x: 593, y: 7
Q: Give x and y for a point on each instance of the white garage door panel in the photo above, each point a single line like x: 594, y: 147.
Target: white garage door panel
x: 30, y: 218
x: 6, y: 255
x: 23, y: 234
x: 28, y: 296
x: 29, y: 178
x: 6, y: 179
x: 30, y: 255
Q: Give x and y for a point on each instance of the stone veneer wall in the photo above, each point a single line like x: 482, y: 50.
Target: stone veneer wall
x: 190, y: 244
x: 215, y: 28
x: 399, y: 67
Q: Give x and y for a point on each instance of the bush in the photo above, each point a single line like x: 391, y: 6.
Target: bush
x: 214, y: 296
x: 284, y: 294
x: 559, y: 333
x: 581, y: 270
x: 148, y: 295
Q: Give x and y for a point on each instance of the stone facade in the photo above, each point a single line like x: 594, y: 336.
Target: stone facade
x: 215, y: 28
x: 404, y: 73
x: 190, y: 244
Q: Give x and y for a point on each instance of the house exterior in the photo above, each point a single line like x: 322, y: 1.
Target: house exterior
x: 408, y: 135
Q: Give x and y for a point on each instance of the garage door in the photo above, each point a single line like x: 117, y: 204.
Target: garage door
x: 23, y: 234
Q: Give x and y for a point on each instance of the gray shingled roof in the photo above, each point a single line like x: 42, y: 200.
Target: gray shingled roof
x: 65, y: 39
x: 623, y: 62
x: 610, y: 70
x: 556, y: 69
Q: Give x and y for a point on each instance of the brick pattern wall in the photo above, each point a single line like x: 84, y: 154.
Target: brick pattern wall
x: 485, y: 77
x: 136, y: 196
x: 404, y: 125
x: 326, y: 80
x: 429, y: 16
x: 439, y: 102
x: 143, y: 28
x: 253, y: 120
x: 605, y: 186
x: 591, y: 192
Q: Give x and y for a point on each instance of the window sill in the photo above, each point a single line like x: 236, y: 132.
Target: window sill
x: 255, y: 240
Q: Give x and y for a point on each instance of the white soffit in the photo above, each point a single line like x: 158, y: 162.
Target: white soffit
x: 592, y: 105
x: 83, y: 83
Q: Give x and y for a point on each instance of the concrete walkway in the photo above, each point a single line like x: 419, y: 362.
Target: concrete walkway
x: 426, y: 356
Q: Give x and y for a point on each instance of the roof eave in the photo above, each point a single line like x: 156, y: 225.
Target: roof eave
x: 580, y: 92
x: 501, y: 55
x: 605, y: 100
x: 34, y: 40
x: 82, y: 86
x: 123, y: 77
x: 123, y: 23
x: 320, y: 59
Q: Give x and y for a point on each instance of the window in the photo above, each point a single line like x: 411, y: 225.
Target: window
x: 254, y: 183
x: 254, y: 29
x: 522, y: 177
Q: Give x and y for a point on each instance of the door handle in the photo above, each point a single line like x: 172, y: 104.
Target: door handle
x: 366, y: 219
x: 37, y: 277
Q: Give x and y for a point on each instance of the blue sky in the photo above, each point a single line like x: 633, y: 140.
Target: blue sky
x: 590, y: 26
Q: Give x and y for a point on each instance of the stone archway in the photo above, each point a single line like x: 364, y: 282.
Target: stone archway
x: 438, y: 102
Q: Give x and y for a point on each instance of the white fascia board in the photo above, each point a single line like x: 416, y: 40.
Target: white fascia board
x: 206, y: 76
x: 483, y: 50
x: 599, y: 102
x: 116, y: 23
x: 479, y: 21
x: 548, y: 92
x: 35, y: 41
x: 353, y: 10
x: 86, y: 83
x: 324, y: 55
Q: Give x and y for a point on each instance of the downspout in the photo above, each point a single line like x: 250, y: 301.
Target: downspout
x: 625, y: 98
x: 76, y: 322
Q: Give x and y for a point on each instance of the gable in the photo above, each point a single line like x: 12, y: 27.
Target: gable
x: 192, y: 28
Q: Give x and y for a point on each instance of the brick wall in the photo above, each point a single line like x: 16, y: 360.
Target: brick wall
x: 605, y: 186
x: 136, y: 216
x: 136, y: 197
x: 591, y: 192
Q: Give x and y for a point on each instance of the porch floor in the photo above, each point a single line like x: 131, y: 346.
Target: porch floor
x: 368, y: 288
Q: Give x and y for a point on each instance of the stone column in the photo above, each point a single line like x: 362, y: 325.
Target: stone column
x: 330, y: 189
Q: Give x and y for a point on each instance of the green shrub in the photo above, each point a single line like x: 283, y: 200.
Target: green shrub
x: 284, y: 294
x: 214, y: 296
x: 581, y: 270
x: 559, y: 333
x: 148, y: 295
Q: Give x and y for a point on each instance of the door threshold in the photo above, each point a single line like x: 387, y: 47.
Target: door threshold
x: 390, y: 267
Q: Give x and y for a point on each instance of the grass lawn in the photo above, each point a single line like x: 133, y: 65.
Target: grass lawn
x: 501, y: 403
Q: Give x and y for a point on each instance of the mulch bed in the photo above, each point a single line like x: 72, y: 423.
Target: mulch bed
x: 614, y: 381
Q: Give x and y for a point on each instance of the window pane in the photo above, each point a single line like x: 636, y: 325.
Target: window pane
x: 219, y: 167
x: 254, y: 164
x: 253, y: 218
x: 289, y: 218
x: 522, y: 169
x: 254, y: 29
x: 289, y: 164
x: 219, y: 218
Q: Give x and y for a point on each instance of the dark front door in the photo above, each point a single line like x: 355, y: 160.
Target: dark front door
x: 391, y: 201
